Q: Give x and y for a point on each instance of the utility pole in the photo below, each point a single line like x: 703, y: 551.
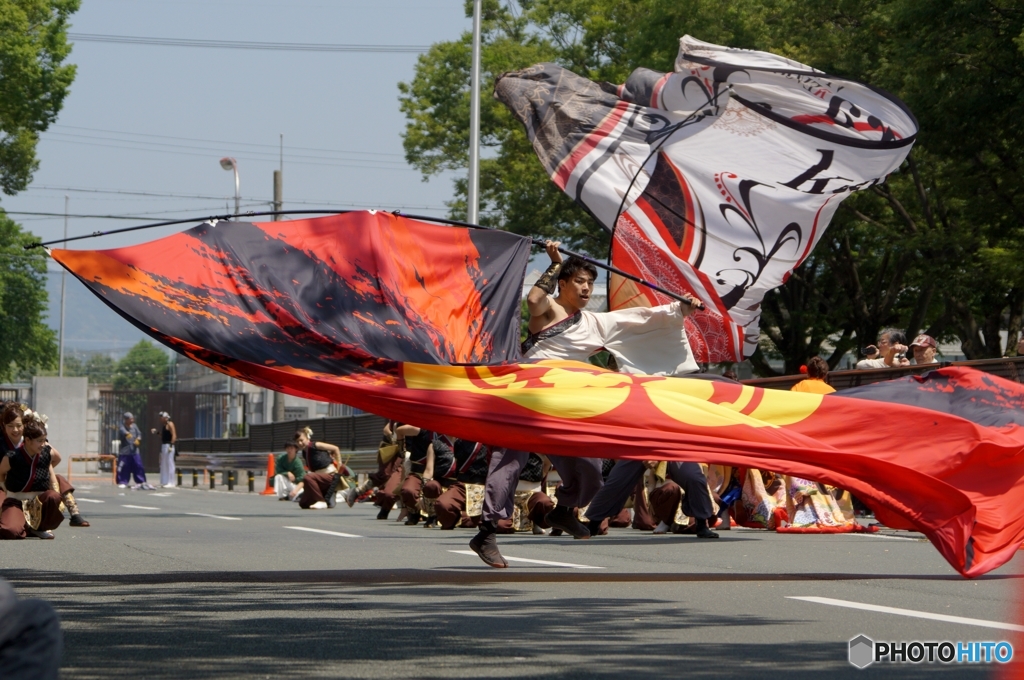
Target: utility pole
x: 473, y: 193
x: 278, y: 414
x: 63, y: 290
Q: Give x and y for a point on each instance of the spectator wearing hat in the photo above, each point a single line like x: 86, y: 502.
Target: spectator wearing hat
x: 289, y: 473
x: 924, y: 348
x: 168, y: 438
x: 129, y: 458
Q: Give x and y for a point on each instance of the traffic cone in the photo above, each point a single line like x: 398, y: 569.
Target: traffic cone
x: 269, y: 491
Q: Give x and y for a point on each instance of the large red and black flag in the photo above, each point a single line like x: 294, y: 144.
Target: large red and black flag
x: 419, y: 323
x: 334, y: 295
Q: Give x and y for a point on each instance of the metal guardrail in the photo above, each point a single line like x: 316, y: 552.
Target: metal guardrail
x: 1011, y: 368
x: 229, y: 464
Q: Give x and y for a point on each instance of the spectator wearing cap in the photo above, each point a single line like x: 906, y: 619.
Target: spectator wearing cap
x: 289, y: 473
x: 129, y: 458
x: 168, y: 438
x: 924, y: 348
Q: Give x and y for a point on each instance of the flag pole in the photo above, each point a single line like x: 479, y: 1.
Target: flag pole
x: 473, y: 190
x: 425, y: 218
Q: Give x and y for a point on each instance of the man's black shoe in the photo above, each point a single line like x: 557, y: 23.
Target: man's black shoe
x: 564, y: 518
x: 383, y: 514
x: 704, y: 532
x: 413, y: 519
x: 485, y: 544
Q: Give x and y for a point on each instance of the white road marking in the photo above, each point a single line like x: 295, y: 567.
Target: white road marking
x: 324, y: 531
x: 909, y: 612
x: 203, y: 514
x: 89, y: 500
x: 140, y: 507
x: 161, y: 495
x: 567, y: 565
x: 891, y: 538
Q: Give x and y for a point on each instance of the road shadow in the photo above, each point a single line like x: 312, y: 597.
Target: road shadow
x: 419, y: 623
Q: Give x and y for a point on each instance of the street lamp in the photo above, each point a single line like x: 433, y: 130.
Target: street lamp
x: 231, y: 164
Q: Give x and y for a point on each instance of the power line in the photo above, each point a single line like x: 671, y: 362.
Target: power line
x: 245, y: 200
x: 240, y: 156
x: 151, y: 194
x: 226, y: 143
x: 221, y: 145
x: 246, y: 44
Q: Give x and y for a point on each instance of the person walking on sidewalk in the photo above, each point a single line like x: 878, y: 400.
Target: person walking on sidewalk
x: 129, y: 459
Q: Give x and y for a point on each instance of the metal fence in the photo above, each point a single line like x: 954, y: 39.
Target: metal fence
x: 193, y: 413
x: 1011, y: 368
x: 351, y: 433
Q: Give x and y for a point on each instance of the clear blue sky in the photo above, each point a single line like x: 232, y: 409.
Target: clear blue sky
x: 156, y: 119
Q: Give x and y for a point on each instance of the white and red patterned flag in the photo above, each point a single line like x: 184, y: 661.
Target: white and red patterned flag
x: 716, y: 179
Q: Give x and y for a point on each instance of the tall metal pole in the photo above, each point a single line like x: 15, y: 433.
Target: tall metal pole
x: 229, y: 163
x: 237, y: 196
x: 63, y: 290
x: 277, y: 411
x: 473, y: 193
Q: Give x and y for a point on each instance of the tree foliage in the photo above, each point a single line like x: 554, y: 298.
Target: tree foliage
x: 143, y: 368
x: 98, y: 367
x: 25, y: 339
x: 34, y: 80
x: 936, y: 248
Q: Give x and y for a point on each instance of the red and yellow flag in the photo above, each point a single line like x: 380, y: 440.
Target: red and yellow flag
x: 950, y: 466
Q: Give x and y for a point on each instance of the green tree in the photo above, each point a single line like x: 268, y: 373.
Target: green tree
x: 143, y: 368
x: 935, y: 248
x: 98, y: 367
x: 34, y: 80
x: 26, y: 342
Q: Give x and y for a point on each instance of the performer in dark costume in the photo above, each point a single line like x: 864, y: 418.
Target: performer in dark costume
x: 467, y: 464
x: 27, y: 475
x: 388, y: 477
x: 13, y: 416
x: 320, y: 485
x: 612, y: 497
x: 417, y: 442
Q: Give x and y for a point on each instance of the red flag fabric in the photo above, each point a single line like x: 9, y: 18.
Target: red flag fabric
x: 331, y: 294
x: 946, y: 458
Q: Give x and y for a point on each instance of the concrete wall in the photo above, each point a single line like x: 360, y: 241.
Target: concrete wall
x: 65, y: 402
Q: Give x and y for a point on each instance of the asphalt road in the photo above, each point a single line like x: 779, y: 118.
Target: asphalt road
x: 199, y: 584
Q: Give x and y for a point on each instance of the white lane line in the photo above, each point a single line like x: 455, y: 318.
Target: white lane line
x: 88, y: 500
x: 567, y: 565
x: 203, y: 514
x: 909, y: 612
x: 324, y: 531
x: 890, y: 538
x: 140, y: 507
x: 161, y: 495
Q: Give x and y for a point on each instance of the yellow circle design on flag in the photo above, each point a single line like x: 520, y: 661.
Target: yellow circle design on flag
x: 546, y: 389
x: 691, y: 401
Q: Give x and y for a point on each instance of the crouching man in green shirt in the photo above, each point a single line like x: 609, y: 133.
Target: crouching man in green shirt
x: 289, y: 473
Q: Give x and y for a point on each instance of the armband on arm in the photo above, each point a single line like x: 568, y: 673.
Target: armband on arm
x: 546, y: 282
